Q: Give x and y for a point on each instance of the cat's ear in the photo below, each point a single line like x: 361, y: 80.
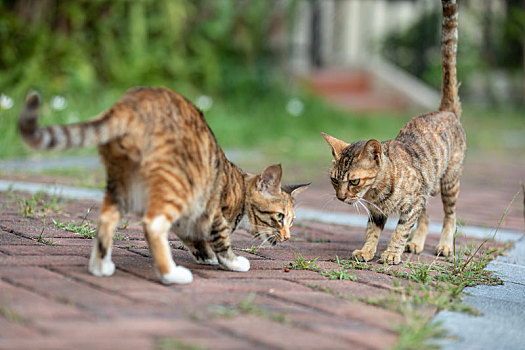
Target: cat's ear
x: 270, y: 180
x: 372, y: 151
x: 337, y: 145
x: 293, y: 190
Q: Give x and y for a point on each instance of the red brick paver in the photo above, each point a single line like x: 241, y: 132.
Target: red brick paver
x: 48, y: 300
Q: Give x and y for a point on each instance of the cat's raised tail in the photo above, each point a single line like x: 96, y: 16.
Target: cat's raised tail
x: 449, y: 45
x: 97, y: 131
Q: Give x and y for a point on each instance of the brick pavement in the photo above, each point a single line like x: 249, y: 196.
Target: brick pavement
x: 49, y: 301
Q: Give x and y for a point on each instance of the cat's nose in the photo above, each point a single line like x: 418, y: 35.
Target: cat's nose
x: 341, y: 197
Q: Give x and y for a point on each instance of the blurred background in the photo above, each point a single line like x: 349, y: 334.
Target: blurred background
x: 269, y: 74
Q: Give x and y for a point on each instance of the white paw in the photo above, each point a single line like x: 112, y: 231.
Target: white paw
x: 240, y: 264
x: 177, y: 274
x: 98, y: 266
x: 101, y: 267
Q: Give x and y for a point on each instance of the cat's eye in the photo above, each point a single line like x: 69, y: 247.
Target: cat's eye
x: 354, y: 182
x: 334, y: 181
x: 280, y: 217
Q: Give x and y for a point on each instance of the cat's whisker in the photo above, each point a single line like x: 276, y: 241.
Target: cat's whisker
x: 327, y: 202
x: 266, y: 240
x: 366, y: 209
x: 357, y: 208
x: 375, y: 206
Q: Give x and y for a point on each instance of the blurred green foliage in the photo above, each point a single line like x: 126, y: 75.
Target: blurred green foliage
x: 92, y: 51
x: 489, y: 41
x: 60, y: 46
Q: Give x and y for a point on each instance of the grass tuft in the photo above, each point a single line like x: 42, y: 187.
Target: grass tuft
x: 83, y: 228
x: 300, y: 263
x: 169, y: 343
x: 248, y: 307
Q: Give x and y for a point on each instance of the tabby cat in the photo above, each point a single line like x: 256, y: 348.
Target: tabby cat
x: 163, y: 162
x: 399, y: 176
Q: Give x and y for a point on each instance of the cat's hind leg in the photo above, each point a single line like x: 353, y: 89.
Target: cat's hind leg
x: 220, y: 243
x: 449, y: 196
x: 163, y: 209
x: 202, y: 252
x: 196, y: 239
x: 100, y: 263
x: 419, y: 235
x: 375, y: 225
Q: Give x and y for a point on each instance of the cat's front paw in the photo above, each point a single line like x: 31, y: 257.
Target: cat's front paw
x: 362, y: 255
x: 444, y: 250
x: 178, y: 275
x: 390, y: 258
x: 413, y: 247
x: 240, y: 264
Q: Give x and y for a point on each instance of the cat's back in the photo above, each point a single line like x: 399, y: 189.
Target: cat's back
x: 159, y: 118
x: 430, y: 143
x: 162, y: 129
x: 159, y: 108
x: 433, y: 130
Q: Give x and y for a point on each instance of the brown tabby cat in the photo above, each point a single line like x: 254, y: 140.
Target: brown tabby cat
x: 163, y: 162
x: 400, y: 175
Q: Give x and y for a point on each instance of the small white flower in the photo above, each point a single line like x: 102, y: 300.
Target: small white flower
x: 6, y: 102
x: 58, y: 102
x: 204, y: 102
x: 295, y: 107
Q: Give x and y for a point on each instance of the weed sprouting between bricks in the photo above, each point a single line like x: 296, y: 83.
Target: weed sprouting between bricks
x: 300, y: 263
x: 83, y: 228
x: 42, y: 235
x: 29, y: 207
x: 247, y: 307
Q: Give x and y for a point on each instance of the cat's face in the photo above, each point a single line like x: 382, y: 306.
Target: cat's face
x: 354, y: 168
x: 269, y: 207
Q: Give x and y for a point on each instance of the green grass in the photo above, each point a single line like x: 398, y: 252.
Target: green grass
x: 94, y: 178
x: 423, y: 290
x: 42, y: 236
x: 340, y: 273
x: 250, y: 121
x: 420, y: 289
x: 300, y: 263
x: 84, y: 228
x: 27, y: 206
x: 37, y: 204
x: 169, y: 343
x: 417, y: 332
x: 251, y: 250
x: 247, y: 307
x: 10, y: 315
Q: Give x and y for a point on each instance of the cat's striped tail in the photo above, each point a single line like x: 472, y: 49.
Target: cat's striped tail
x: 90, y: 133
x: 449, y: 44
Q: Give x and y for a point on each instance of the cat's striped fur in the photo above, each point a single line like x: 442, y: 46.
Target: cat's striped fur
x: 163, y: 162
x: 399, y: 176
